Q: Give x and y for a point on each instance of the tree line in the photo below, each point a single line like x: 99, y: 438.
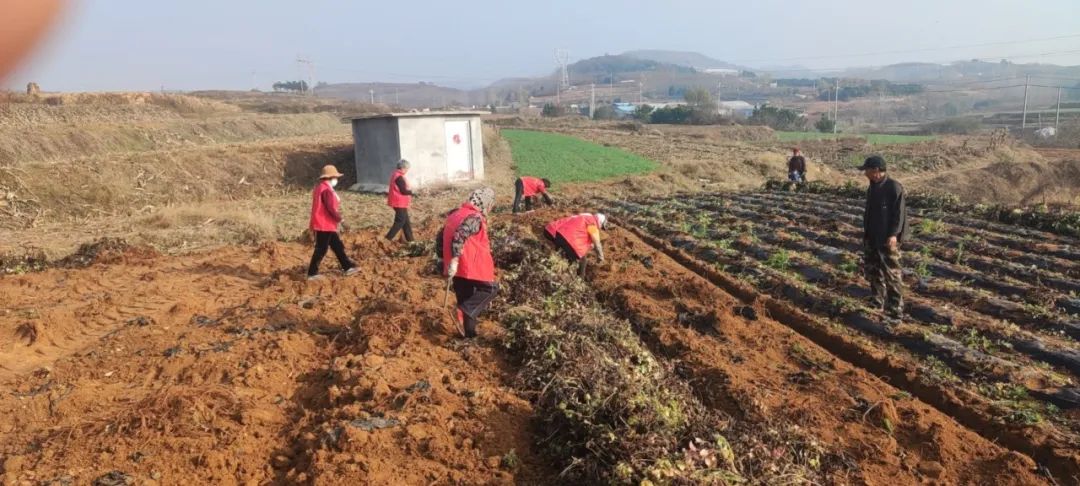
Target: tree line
x: 295, y: 86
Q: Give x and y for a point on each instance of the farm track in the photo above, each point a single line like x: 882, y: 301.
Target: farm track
x: 990, y: 371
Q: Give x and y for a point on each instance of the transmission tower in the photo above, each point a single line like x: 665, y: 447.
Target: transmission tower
x: 561, y: 58
x: 303, y: 62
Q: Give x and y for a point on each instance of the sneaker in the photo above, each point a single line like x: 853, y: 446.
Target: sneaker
x: 312, y: 278
x: 352, y: 271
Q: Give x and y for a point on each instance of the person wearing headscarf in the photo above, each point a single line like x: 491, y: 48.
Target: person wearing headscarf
x: 325, y: 218
x: 467, y: 260
x: 399, y: 197
x: 576, y: 235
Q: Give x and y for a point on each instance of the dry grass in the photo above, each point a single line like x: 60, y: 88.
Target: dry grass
x: 132, y: 184
x: 229, y: 225
x: 68, y: 141
x: 180, y: 104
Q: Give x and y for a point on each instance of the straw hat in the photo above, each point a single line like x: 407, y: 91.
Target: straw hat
x: 330, y: 172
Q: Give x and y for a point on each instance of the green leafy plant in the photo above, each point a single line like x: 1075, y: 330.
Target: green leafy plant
x: 780, y: 260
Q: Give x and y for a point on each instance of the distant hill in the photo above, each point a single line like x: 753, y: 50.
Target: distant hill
x: 961, y: 70
x: 603, y: 66
x: 683, y: 58
x: 407, y: 95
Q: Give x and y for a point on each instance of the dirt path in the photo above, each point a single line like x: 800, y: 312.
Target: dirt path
x: 742, y: 361
x: 228, y: 368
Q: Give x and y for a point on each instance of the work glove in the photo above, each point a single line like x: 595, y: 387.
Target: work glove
x: 451, y: 269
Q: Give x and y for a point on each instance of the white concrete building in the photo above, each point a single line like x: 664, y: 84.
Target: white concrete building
x: 441, y: 146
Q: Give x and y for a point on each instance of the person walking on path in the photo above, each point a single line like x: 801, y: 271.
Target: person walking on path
x: 467, y: 261
x: 399, y: 197
x: 528, y: 188
x: 325, y: 218
x: 576, y: 235
x: 796, y: 167
x: 884, y: 230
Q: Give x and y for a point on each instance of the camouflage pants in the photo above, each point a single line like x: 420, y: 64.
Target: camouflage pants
x: 885, y: 276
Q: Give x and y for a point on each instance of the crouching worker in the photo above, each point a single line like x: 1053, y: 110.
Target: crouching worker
x: 467, y: 261
x: 576, y: 235
x: 325, y: 218
x: 399, y: 197
x: 528, y: 188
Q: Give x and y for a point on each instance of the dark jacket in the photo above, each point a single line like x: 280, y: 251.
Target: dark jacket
x: 886, y: 212
x: 797, y: 163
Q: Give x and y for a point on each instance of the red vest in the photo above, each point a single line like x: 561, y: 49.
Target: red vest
x: 475, y: 262
x: 574, y: 230
x: 532, y: 186
x: 322, y: 218
x: 395, y: 198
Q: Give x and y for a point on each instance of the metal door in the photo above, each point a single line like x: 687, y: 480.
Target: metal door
x: 459, y: 151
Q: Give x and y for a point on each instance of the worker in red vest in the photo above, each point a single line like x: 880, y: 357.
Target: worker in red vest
x: 399, y: 197
x: 467, y: 261
x: 325, y: 218
x: 576, y: 235
x: 529, y: 188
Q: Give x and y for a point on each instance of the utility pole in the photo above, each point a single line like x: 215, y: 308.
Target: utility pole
x: 371, y: 92
x: 1023, y: 123
x: 719, y: 85
x: 311, y: 73
x: 397, y: 99
x: 592, y: 101
x: 1057, y: 116
x: 836, y: 107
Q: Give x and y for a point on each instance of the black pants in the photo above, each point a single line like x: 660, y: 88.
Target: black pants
x: 567, y: 251
x: 473, y: 298
x: 519, y: 190
x: 325, y: 240
x: 401, y: 223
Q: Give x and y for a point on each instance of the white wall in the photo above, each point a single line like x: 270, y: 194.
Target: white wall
x: 423, y: 144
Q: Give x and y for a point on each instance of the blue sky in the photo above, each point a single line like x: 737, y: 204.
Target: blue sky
x: 200, y: 44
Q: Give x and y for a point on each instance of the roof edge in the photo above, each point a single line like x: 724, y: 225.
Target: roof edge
x: 414, y: 114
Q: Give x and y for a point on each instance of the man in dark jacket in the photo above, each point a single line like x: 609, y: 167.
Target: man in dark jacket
x: 884, y: 230
x: 796, y: 167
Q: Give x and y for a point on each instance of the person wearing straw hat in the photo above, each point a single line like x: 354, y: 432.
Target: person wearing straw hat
x: 467, y: 261
x: 325, y: 218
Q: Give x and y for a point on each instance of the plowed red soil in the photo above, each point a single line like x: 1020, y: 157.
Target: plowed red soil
x: 228, y: 367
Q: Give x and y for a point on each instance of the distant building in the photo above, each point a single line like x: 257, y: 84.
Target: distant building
x: 721, y: 71
x: 624, y: 110
x: 441, y: 146
x: 738, y: 109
